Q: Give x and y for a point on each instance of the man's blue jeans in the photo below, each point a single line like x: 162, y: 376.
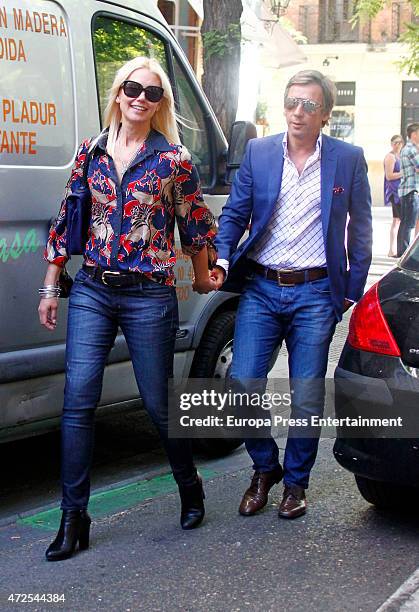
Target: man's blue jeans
x: 304, y: 317
x: 148, y: 317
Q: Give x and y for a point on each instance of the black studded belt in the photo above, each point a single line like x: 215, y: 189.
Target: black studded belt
x: 114, y: 278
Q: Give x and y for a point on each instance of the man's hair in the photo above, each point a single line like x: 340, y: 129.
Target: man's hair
x: 412, y: 127
x: 306, y: 77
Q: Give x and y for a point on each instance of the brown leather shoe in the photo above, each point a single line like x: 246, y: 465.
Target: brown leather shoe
x: 293, y: 502
x: 256, y: 496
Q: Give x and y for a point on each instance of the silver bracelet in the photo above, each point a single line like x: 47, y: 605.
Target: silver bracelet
x: 49, y: 291
x: 48, y: 296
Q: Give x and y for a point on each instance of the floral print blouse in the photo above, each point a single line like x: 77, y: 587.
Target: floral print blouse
x: 132, y: 223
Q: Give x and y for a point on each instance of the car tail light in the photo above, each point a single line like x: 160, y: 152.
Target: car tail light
x: 368, y: 328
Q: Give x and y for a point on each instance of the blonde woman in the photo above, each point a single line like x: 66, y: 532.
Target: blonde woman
x: 141, y: 179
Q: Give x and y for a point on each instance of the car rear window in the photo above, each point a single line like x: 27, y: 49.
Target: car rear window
x: 411, y: 260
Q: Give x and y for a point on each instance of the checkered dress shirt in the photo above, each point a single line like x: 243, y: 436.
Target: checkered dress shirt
x: 294, y: 236
x: 409, y: 163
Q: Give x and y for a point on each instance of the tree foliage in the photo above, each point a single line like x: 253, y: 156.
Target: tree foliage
x: 368, y: 9
x: 120, y: 41
x: 115, y: 43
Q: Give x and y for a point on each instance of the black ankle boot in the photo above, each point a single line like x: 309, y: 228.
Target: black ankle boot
x: 74, y: 527
x: 192, y: 499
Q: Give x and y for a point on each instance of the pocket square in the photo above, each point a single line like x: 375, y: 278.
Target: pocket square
x: 337, y: 190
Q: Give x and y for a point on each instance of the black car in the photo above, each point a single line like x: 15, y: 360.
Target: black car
x: 378, y: 375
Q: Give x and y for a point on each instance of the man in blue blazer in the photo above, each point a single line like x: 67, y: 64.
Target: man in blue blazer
x: 305, y: 262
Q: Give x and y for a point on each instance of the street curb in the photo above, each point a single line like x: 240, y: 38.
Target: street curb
x: 148, y: 475
x: 13, y: 518
x: 406, y: 598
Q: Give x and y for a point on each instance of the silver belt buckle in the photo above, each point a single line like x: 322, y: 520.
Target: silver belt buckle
x: 280, y: 283
x: 110, y: 272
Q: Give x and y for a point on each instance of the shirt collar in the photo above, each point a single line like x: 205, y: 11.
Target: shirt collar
x: 155, y: 141
x: 412, y: 144
x: 318, y: 144
x: 158, y: 142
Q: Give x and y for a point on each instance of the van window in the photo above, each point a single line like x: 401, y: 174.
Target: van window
x: 194, y: 132
x: 115, y: 42
x: 37, y: 122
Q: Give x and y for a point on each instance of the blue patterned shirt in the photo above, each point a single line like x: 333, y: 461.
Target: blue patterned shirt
x: 132, y: 223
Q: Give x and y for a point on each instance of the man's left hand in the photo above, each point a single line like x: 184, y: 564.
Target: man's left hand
x: 218, y: 274
x: 204, y: 284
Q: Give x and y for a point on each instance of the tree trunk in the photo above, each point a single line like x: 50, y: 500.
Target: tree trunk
x: 221, y: 34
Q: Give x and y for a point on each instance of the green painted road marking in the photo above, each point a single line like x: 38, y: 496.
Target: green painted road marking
x: 114, y: 500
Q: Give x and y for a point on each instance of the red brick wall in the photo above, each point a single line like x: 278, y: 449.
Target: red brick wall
x: 382, y: 27
x: 293, y: 13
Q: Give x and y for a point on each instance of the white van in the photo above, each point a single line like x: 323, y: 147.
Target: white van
x: 57, y: 60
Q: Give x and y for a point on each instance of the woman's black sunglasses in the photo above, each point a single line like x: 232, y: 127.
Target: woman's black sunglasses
x: 132, y: 89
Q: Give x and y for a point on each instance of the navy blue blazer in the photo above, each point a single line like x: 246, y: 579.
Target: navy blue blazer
x: 345, y: 213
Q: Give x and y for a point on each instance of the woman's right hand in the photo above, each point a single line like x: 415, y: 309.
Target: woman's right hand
x: 47, y: 310
x: 48, y: 307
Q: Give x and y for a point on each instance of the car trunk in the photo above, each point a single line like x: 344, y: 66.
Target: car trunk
x: 399, y: 299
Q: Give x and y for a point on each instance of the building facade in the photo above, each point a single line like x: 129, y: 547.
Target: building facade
x: 185, y: 18
x: 375, y: 98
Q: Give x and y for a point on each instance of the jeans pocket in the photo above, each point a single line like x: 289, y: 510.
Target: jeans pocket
x: 320, y: 287
x: 81, y: 277
x: 153, y: 289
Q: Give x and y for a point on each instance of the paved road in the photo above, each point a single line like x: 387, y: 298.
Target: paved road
x: 342, y: 556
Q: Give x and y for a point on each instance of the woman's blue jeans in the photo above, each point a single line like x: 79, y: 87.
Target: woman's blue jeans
x: 147, y: 314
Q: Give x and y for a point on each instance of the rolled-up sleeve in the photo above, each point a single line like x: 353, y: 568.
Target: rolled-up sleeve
x: 196, y: 223
x: 55, y: 249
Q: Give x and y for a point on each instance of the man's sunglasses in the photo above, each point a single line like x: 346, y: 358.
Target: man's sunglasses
x: 132, y: 89
x: 309, y: 106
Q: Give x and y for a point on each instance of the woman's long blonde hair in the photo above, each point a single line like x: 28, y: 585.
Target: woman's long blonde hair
x: 164, y: 119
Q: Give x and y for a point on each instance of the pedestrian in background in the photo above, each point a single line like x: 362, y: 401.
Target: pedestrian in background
x: 141, y: 179
x: 392, y: 176
x: 408, y: 188
x: 305, y: 262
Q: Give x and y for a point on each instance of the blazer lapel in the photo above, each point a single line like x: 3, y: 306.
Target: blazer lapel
x: 328, y: 170
x: 271, y: 167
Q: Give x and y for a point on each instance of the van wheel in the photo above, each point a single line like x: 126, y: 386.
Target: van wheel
x: 213, y: 360
x: 215, y: 353
x: 387, y: 494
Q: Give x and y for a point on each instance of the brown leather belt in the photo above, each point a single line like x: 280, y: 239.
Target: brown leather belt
x: 288, y: 278
x: 113, y: 278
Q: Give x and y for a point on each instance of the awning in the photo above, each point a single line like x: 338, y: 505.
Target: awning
x: 279, y: 49
x: 198, y: 7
